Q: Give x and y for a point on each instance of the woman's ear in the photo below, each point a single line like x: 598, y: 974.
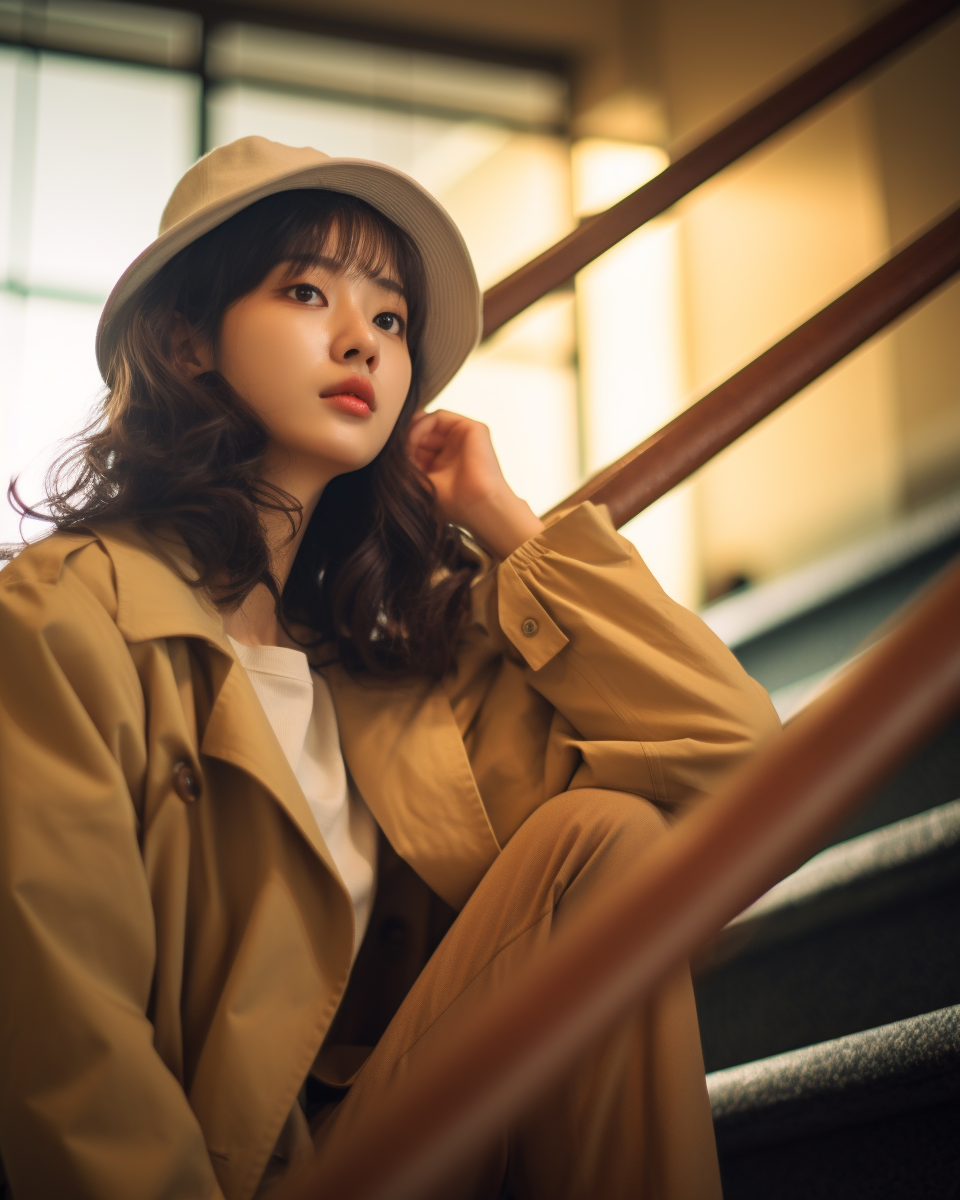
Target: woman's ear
x: 192, y: 355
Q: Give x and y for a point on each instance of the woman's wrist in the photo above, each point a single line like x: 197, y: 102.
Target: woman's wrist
x: 502, y: 522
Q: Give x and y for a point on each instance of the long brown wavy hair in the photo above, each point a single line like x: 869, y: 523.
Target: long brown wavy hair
x: 378, y: 575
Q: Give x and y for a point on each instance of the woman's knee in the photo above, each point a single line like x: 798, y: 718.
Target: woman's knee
x: 603, y: 809
x: 582, y: 842
x: 622, y: 822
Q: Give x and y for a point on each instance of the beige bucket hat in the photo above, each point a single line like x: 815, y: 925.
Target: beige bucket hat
x: 232, y: 177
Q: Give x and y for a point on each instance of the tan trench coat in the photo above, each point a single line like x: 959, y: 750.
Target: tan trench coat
x: 172, y: 965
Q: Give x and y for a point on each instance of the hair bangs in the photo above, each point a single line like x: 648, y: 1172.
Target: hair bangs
x: 356, y: 240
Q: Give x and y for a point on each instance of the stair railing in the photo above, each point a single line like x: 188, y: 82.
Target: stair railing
x: 768, y: 116
x: 670, y: 455
x: 778, y: 808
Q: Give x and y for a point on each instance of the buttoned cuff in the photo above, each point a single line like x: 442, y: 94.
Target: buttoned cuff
x: 583, y: 535
x: 524, y: 620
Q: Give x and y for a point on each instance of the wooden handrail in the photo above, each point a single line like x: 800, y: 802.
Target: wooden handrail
x: 767, y: 819
x: 674, y: 452
x: 775, y: 111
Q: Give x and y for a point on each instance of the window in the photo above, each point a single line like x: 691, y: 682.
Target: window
x: 90, y: 149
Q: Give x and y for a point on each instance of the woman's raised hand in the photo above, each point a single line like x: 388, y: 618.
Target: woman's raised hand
x: 458, y: 458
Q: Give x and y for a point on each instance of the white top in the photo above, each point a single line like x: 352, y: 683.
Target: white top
x: 300, y: 708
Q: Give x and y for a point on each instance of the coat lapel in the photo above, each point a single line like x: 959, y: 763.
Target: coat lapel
x: 239, y: 732
x: 155, y: 602
x: 404, y: 752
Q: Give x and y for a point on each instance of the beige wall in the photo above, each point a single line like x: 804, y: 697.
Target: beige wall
x: 917, y: 111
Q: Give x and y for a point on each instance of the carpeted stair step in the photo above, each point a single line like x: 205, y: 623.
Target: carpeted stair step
x: 863, y: 934
x: 874, y: 1115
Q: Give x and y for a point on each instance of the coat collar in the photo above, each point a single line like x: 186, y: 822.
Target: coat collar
x: 400, y: 742
x: 154, y: 597
x: 155, y: 601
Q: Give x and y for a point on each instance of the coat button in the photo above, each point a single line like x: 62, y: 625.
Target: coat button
x: 530, y: 627
x: 186, y: 781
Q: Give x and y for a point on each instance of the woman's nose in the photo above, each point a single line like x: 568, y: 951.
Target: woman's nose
x: 355, y: 342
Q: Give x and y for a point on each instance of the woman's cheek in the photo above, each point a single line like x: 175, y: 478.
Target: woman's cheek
x: 240, y: 353
x: 265, y: 362
x: 397, y: 377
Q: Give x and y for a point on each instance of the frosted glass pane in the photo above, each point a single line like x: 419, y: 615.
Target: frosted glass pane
x: 411, y: 77
x: 48, y: 389
x: 111, y: 143
x: 8, y: 88
x: 147, y: 34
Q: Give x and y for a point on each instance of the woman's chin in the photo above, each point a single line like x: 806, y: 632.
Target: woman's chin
x: 324, y: 460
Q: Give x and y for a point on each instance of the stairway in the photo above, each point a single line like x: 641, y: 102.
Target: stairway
x: 830, y: 1009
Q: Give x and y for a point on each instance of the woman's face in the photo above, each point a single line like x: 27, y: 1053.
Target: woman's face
x: 321, y: 356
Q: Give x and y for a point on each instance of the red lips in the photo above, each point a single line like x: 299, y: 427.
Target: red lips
x: 353, y: 385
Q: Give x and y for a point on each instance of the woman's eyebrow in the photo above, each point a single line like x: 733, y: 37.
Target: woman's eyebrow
x: 327, y: 263
x: 387, y: 284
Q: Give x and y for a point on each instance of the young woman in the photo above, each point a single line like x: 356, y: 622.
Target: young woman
x: 296, y: 677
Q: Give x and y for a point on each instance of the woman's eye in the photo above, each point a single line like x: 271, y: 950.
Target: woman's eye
x: 389, y: 322
x: 306, y: 293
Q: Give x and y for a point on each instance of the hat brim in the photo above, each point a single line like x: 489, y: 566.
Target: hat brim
x: 453, y: 317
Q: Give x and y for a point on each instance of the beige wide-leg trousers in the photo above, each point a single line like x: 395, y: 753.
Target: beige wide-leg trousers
x: 631, y: 1119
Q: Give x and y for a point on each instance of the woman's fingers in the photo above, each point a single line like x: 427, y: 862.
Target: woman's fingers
x: 438, y: 435
x: 425, y: 431
x: 420, y: 439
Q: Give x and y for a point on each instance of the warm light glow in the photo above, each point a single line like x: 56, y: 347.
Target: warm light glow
x: 631, y: 351
x: 606, y: 171
x: 522, y: 382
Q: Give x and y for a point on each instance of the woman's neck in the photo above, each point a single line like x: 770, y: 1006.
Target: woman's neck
x: 255, y: 622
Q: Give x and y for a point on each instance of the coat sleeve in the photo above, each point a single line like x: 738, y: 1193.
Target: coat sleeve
x: 87, y: 1107
x: 640, y: 695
